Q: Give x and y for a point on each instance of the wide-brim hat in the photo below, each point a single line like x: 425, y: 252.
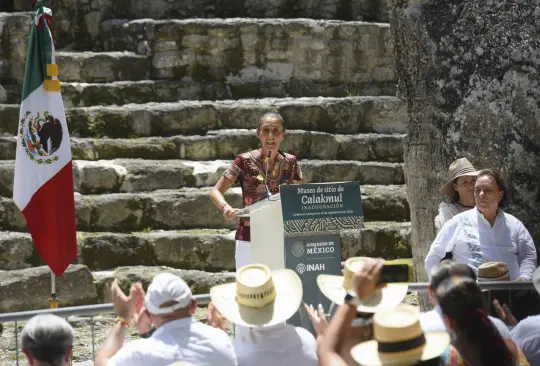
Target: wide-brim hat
x: 493, y: 271
x: 260, y: 297
x: 459, y: 168
x: 336, y: 287
x: 399, y: 340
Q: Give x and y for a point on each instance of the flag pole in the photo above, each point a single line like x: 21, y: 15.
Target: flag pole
x: 53, y: 304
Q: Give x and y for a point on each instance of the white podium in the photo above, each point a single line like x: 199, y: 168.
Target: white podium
x: 266, y: 228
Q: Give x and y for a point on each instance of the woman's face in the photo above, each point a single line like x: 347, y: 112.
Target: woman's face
x: 465, y: 187
x: 487, y: 193
x: 271, y: 133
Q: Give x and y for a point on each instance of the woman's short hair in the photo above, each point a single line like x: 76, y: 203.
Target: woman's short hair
x: 47, y: 338
x: 272, y: 115
x: 501, y: 183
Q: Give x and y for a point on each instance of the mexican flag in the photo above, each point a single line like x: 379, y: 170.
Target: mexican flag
x: 43, y: 184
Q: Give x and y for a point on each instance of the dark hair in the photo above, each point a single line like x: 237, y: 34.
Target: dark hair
x: 272, y: 115
x: 461, y: 300
x: 446, y: 269
x: 500, y: 183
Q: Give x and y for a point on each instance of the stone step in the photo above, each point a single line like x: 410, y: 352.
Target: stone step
x: 243, y: 50
x: 79, y: 286
x: 187, y: 208
x: 135, y: 175
x: 102, y: 67
x: 205, y: 250
x: 14, y: 32
x: 334, y: 115
x: 227, y: 144
x: 75, y: 94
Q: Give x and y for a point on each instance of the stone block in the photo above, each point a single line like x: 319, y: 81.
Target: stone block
x: 102, y: 67
x: 110, y: 250
x: 16, y: 250
x: 203, y: 252
x: 30, y: 289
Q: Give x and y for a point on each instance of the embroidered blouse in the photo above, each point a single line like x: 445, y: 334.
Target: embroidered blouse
x: 248, y: 170
x: 472, y: 240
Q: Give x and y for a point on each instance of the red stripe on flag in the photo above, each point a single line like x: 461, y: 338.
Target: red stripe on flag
x: 50, y: 217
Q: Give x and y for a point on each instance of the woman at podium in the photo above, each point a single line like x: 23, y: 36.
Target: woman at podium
x: 260, y: 173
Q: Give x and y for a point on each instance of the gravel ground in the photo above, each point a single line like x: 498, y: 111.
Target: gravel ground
x: 82, y: 349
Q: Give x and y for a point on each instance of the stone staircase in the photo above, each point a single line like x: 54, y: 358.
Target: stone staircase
x: 159, y: 107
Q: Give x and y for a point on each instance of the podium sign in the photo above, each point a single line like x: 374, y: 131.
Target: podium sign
x: 313, y: 217
x: 310, y: 256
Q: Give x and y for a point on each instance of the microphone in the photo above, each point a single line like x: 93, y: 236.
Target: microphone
x: 266, y: 176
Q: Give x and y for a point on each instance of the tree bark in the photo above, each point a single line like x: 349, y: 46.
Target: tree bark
x: 468, y: 72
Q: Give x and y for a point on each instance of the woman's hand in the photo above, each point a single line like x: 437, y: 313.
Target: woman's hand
x: 228, y: 212
x: 504, y: 313
x: 318, y: 318
x: 214, y: 318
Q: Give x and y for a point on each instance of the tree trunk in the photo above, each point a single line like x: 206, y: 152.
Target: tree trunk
x: 468, y: 72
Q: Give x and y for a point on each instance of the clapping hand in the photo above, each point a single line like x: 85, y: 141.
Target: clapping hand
x: 318, y: 318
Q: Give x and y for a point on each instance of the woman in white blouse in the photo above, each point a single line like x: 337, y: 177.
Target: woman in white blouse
x: 460, y: 187
x: 486, y: 233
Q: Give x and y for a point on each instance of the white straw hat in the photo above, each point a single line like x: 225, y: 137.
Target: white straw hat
x: 400, y: 340
x: 167, y: 288
x: 259, y: 297
x: 336, y: 287
x: 459, y: 168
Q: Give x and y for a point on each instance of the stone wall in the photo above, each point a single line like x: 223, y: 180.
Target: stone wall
x: 14, y: 31
x: 249, y: 50
x: 77, y: 21
x: 468, y: 71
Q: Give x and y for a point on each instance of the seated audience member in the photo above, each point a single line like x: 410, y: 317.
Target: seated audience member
x: 259, y: 303
x: 399, y: 339
x: 526, y: 333
x: 47, y: 340
x: 460, y: 188
x: 432, y: 321
x: 170, y: 307
x: 361, y: 329
x: 486, y: 233
x: 476, y: 341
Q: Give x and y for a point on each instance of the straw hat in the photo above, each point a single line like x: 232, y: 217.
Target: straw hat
x: 493, y: 271
x: 336, y: 287
x: 400, y: 340
x: 458, y: 168
x: 259, y: 297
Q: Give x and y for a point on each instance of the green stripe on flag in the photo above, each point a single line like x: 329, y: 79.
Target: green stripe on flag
x: 39, y: 55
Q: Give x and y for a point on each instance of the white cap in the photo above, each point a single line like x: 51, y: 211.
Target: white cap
x: 166, y: 287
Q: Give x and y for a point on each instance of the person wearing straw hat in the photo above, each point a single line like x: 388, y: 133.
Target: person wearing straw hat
x: 406, y: 346
x: 400, y: 340
x: 460, y: 188
x: 170, y: 306
x: 336, y: 288
x: 259, y: 303
x: 486, y: 233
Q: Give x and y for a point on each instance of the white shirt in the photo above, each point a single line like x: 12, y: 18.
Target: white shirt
x: 473, y: 241
x: 281, y: 344
x: 527, y: 336
x: 179, y: 340
x: 432, y: 321
x: 446, y: 212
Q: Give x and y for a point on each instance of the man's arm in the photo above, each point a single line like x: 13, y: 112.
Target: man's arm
x: 113, y: 343
x: 124, y: 307
x: 438, y: 248
x: 334, y: 337
x: 526, y: 254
